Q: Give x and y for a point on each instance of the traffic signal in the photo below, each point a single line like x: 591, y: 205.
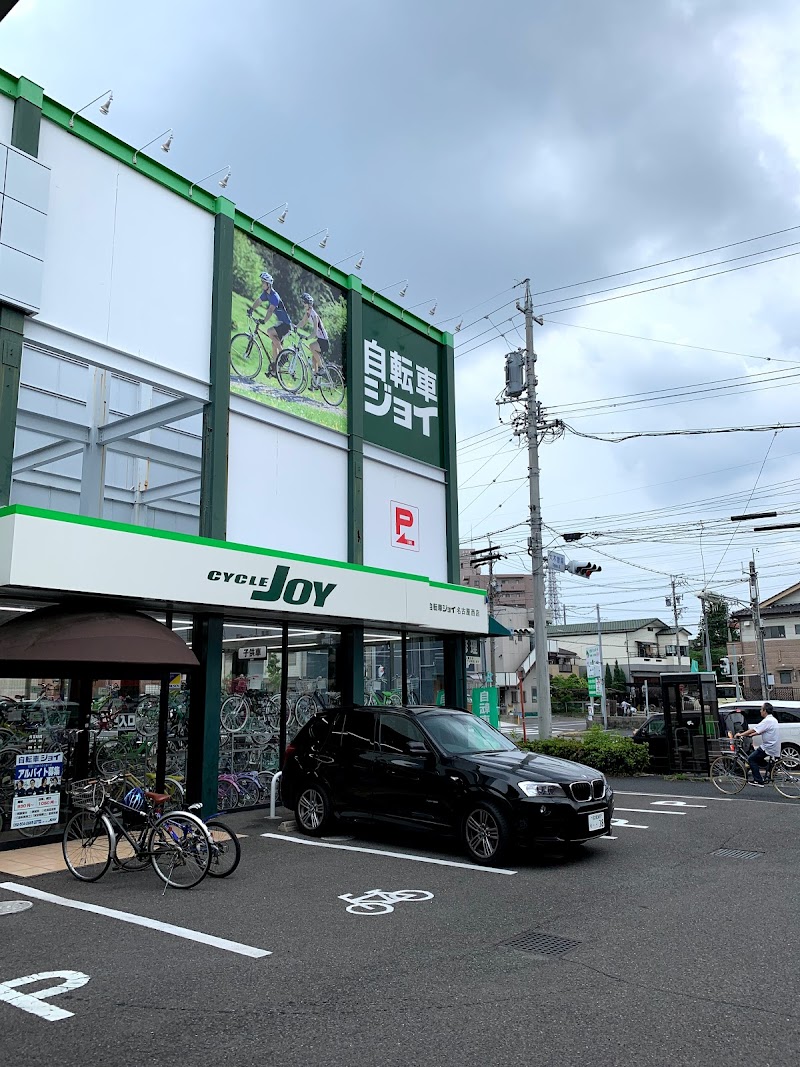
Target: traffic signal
x: 724, y: 665
x: 584, y: 570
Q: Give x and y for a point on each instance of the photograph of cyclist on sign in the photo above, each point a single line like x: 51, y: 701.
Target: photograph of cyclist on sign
x: 288, y: 330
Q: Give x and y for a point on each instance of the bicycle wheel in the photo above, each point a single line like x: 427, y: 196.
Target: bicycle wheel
x: 249, y: 792
x: 291, y: 370
x: 786, y: 780
x: 246, y: 358
x: 88, y: 845
x: 136, y: 857
x: 227, y: 796
x: 728, y: 774
x: 225, y: 849
x: 331, y: 385
x: 303, y: 710
x: 233, y: 714
x: 147, y: 718
x: 180, y: 849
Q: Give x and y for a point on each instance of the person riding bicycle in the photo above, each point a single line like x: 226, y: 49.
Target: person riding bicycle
x: 767, y: 729
x: 277, y: 307
x: 321, y: 343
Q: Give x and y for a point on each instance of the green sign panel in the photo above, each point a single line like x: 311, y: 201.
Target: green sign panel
x: 485, y: 705
x: 402, y: 388
x: 595, y: 687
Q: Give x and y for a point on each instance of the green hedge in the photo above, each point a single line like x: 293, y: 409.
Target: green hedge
x: 609, y: 753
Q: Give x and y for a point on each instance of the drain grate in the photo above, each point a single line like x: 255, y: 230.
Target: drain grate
x: 542, y: 944
x: 737, y: 854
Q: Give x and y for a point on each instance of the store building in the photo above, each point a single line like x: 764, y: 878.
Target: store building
x: 292, y: 518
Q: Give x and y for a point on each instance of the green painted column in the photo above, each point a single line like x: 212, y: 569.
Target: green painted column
x: 207, y: 632
x: 455, y: 652
x: 25, y: 127
x: 353, y: 637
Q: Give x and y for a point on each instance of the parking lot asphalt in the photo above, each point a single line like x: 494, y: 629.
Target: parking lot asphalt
x: 675, y: 954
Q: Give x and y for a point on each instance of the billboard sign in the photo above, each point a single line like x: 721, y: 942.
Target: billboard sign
x: 402, y: 388
x: 593, y: 669
x: 288, y: 332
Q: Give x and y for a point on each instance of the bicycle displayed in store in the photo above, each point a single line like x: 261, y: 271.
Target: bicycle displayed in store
x: 134, y: 833
x: 730, y: 771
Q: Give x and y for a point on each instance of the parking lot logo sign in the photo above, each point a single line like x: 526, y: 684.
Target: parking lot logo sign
x: 405, y: 526
x: 485, y: 705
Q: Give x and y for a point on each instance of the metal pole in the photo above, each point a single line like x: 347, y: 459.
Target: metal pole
x: 759, y: 634
x: 537, y: 563
x: 646, y: 698
x: 706, y: 635
x: 602, y: 671
x: 677, y: 628
x: 491, y: 612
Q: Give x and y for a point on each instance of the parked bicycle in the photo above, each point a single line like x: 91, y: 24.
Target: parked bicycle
x: 730, y: 771
x: 134, y: 833
x: 225, y: 848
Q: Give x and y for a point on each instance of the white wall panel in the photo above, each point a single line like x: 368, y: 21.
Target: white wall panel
x: 285, y: 490
x: 127, y: 263
x: 6, y: 119
x: 384, y: 483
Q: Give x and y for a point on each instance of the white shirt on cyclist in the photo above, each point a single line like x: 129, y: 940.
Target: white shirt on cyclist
x: 767, y: 729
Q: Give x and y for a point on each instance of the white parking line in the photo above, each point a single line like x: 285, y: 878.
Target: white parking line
x: 383, y: 852
x: 139, y: 920
x: 649, y: 811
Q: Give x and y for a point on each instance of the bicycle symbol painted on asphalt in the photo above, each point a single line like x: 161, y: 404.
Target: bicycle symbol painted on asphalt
x: 382, y: 901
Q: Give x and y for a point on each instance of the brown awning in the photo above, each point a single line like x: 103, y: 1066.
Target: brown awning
x: 82, y: 636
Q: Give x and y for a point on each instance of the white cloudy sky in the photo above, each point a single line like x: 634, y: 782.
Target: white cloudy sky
x: 466, y: 147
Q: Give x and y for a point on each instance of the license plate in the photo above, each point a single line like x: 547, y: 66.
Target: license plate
x: 597, y: 821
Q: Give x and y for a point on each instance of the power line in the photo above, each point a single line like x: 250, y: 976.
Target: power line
x: 665, y: 262
x: 669, y: 285
x: 629, y: 435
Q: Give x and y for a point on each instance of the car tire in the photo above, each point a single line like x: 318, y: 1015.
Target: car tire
x: 313, y: 813
x: 790, y: 754
x: 486, y: 832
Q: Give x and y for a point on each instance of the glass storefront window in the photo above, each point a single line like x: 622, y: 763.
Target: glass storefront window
x: 253, y: 715
x: 424, y: 669
x: 383, y: 668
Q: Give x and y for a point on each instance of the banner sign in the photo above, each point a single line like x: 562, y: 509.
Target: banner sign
x: 402, y: 388
x: 279, y: 306
x: 37, y: 789
x: 159, y: 566
x: 595, y: 686
x: 485, y: 705
x: 593, y: 661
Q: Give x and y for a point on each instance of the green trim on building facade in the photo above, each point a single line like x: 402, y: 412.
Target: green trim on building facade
x: 450, y: 461
x: 355, y: 425
x: 11, y: 324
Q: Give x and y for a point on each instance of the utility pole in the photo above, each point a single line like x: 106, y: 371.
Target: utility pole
x: 674, y: 601
x: 537, y: 562
x: 602, y: 671
x: 706, y: 635
x: 759, y: 634
x: 479, y: 557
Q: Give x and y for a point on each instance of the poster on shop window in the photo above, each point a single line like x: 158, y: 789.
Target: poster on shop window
x: 37, y: 789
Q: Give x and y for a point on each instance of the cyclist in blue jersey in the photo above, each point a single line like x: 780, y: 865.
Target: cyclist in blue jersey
x: 321, y: 344
x: 275, y: 305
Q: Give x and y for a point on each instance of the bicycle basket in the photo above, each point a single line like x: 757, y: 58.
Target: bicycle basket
x: 88, y: 793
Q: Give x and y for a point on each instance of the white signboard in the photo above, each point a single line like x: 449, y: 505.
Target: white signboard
x: 173, y: 567
x: 556, y: 561
x: 593, y: 661
x: 37, y: 789
x: 253, y: 652
x: 405, y: 526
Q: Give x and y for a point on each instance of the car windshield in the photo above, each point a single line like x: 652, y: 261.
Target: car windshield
x: 463, y: 734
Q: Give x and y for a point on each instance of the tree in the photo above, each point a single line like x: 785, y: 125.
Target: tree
x: 608, y: 681
x: 620, y: 682
x: 568, y: 689
x: 715, y: 617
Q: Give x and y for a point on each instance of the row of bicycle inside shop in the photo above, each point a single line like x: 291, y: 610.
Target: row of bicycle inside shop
x: 39, y: 721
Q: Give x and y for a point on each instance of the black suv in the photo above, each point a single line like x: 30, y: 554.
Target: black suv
x: 442, y: 769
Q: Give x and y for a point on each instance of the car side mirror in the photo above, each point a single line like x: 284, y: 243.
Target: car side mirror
x: 418, y: 748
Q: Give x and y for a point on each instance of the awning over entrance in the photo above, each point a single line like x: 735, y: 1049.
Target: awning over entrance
x: 59, y: 635
x: 496, y: 629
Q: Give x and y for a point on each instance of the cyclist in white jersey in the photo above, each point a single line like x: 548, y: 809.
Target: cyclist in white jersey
x: 770, y: 745
x: 320, y: 344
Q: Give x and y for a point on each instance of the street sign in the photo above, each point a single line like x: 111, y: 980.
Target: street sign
x: 485, y: 705
x: 595, y: 687
x: 593, y: 662
x: 556, y: 561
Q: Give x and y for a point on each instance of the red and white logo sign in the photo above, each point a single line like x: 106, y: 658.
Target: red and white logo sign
x: 405, y: 526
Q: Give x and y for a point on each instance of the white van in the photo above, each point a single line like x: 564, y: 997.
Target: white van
x: 787, y: 712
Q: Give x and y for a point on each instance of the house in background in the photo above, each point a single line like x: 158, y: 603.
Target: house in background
x: 780, y: 622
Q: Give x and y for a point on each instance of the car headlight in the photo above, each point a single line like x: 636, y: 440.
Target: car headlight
x: 540, y: 789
